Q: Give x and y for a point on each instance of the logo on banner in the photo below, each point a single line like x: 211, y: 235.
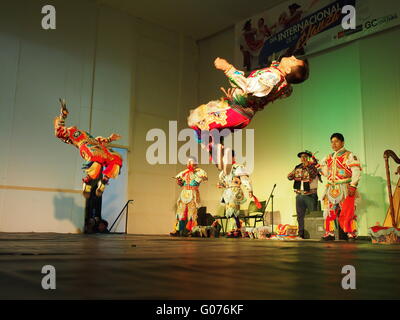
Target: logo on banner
x: 349, y: 21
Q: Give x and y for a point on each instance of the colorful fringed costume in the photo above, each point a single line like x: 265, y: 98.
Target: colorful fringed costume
x: 343, y: 170
x: 248, y: 96
x: 189, y: 198
x: 387, y: 235
x: 233, y: 195
x: 94, y: 150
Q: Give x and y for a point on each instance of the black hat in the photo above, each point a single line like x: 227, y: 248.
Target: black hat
x: 304, y: 152
x: 294, y: 6
x: 246, y: 24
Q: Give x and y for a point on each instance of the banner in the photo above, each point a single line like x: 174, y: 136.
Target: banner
x: 308, y: 26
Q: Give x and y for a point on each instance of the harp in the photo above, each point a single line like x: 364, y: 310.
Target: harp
x: 393, y: 213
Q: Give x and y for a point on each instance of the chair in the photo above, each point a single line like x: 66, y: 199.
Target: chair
x: 224, y: 217
x: 255, y: 213
x: 221, y: 218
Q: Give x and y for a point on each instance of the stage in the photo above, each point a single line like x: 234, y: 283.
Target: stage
x: 113, y: 266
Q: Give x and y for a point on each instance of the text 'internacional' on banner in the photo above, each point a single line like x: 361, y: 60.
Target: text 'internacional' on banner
x: 308, y: 26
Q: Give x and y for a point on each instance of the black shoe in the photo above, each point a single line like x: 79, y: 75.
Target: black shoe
x: 351, y: 239
x: 328, y: 238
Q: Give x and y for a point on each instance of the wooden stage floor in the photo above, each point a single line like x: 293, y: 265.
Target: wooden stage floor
x: 160, y: 267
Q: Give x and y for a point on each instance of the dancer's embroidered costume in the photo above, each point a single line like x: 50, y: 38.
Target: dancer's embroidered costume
x: 248, y: 96
x: 343, y: 171
x: 189, y: 198
x: 100, y: 159
x: 233, y: 195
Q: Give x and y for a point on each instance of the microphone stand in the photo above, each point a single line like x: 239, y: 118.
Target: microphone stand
x: 126, y: 206
x: 271, y: 197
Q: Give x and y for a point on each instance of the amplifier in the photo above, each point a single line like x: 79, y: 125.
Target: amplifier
x: 314, y: 225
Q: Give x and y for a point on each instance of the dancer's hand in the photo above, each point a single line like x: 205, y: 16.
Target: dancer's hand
x: 352, y: 191
x: 251, y: 195
x: 114, y: 137
x: 222, y: 64
x: 64, y: 111
x: 228, y: 93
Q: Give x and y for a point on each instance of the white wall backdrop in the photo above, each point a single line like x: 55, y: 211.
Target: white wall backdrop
x: 166, y: 87
x: 118, y: 74
x: 38, y: 67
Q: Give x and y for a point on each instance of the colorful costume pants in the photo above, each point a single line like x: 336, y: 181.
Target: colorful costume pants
x: 342, y: 207
x: 335, y: 212
x: 99, y: 157
x: 217, y: 115
x: 186, y: 212
x: 232, y: 198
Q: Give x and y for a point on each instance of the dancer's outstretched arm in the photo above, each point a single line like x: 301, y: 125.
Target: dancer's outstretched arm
x: 60, y: 131
x: 201, y: 175
x: 259, y: 85
x: 246, y: 182
x: 236, y: 77
x: 221, y: 180
x: 111, y: 138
